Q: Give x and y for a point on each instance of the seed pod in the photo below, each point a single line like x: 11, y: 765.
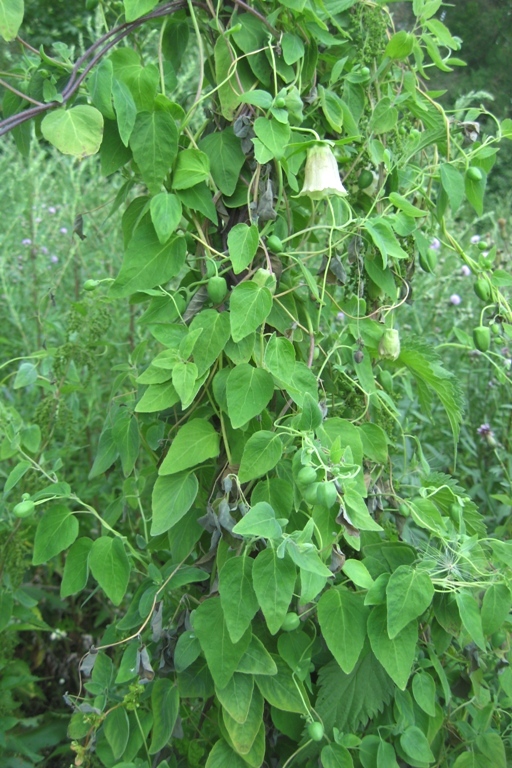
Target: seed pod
x: 365, y: 179
x: 482, y: 289
x: 24, y: 508
x: 428, y: 260
x: 475, y: 174
x: 482, y: 338
x: 217, y: 289
x: 275, y: 244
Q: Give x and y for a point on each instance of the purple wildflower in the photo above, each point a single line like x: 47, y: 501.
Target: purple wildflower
x: 435, y: 244
x: 54, y: 259
x: 455, y: 299
x: 26, y: 241
x: 63, y: 230
x: 465, y: 270
x: 44, y: 250
x: 475, y: 239
x: 52, y: 209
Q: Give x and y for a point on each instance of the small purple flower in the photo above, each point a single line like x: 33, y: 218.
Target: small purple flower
x: 475, y: 239
x: 465, y: 270
x: 455, y: 299
x: 435, y: 244
x: 52, y: 209
x: 63, y: 230
x: 54, y: 259
x: 486, y: 433
x: 44, y: 250
x: 340, y: 316
x: 26, y: 241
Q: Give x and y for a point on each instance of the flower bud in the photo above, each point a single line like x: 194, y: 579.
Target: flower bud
x: 322, y: 177
x: 389, y: 344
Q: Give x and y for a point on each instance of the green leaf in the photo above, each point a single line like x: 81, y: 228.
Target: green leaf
x: 400, y: 45
x: 281, y: 690
x: 184, y: 377
x: 15, y: 476
x: 336, y: 756
x: 293, y: 48
x: 250, y: 305
x: 154, y: 143
x: 263, y: 99
x: 76, y: 131
x: 236, y: 696
x: 311, y: 416
x: 385, y: 240
x: 221, y: 653
x: 506, y: 128
x: 165, y: 705
x: 6, y: 606
x: 228, y: 88
x: 375, y: 442
x: 415, y: 745
x: 106, y: 454
x: 273, y: 134
x: 279, y: 357
x: 496, y: 606
x: 248, y: 390
x: 226, y: 158
x: 213, y: 338
x: 199, y: 198
x: 237, y: 597
x: 358, y: 573
x: 277, y: 492
x: 25, y: 375
x: 186, y: 651
x: 195, y: 442
x: 113, y: 153
x: 110, y: 567
x: 257, y: 660
x: 117, y: 731
x: 342, y: 617
x: 470, y: 616
x: 386, y: 756
x: 134, y: 9
x: 147, y: 262
x: 222, y: 756
x: 274, y: 583
x: 192, y: 167
x: 172, y: 497
x: 348, y: 701
x: 76, y: 569
x: 126, y: 110
x: 11, y: 17
x: 242, y: 735
x: 242, y: 246
x: 357, y: 509
x: 409, y: 593
x: 261, y: 454
x: 57, y: 530
x: 259, y: 521
x: 100, y: 88
x: 384, y: 116
x: 397, y: 655
x: 470, y: 759
x: 165, y: 214
x: 491, y: 745
x: 332, y: 107
x: 125, y: 433
x: 424, y: 692
x: 141, y: 80
x: 401, y: 202
x: 453, y: 185
x: 158, y: 397
x: 475, y: 191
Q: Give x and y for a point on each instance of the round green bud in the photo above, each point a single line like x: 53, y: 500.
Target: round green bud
x: 365, y: 179
x: 306, y: 476
x: 316, y: 731
x: 217, y: 289
x: 275, y: 244
x: 24, y: 508
x: 475, y: 174
x: 290, y: 622
x: 91, y: 285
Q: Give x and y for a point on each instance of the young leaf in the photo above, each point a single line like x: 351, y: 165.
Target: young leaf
x: 237, y: 597
x: 342, y: 617
x: 397, y: 655
x: 274, y: 582
x: 57, y: 530
x: 173, y: 495
x: 261, y: 454
x: 221, y: 653
x: 259, y: 521
x: 110, y: 567
x: 195, y: 442
x: 409, y: 593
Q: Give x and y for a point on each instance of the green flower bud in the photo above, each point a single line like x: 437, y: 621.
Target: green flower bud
x: 389, y: 344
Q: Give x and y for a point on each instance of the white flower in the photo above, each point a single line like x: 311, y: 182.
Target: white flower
x: 475, y: 239
x: 322, y: 177
x: 465, y: 270
x: 455, y: 299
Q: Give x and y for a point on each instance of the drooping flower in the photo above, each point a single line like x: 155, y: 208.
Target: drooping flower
x: 389, y: 344
x: 322, y: 177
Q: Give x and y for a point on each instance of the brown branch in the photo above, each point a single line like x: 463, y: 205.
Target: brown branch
x: 20, y: 94
x: 77, y: 76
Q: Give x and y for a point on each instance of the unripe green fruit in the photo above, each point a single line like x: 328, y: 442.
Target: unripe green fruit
x: 91, y: 285
x: 265, y: 279
x: 310, y: 493
x: 482, y: 338
x: 217, y: 289
x: 404, y: 510
x: 365, y: 179
x: 428, y: 260
x: 498, y: 638
x: 291, y: 621
x: 365, y: 70
x: 482, y: 289
x: 475, y: 174
x: 496, y: 329
x: 280, y: 102
x: 327, y: 495
x: 483, y: 245
x: 24, y: 508
x: 306, y: 476
x: 275, y: 244
x: 316, y: 731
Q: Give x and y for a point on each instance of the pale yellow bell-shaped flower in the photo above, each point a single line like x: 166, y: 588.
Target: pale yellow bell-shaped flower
x: 322, y: 177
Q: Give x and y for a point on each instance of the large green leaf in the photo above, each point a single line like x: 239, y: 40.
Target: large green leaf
x: 279, y: 357
x: 282, y: 690
x: 196, y: 441
x: 385, y: 240
x: 154, y: 143
x: 134, y: 9
x: 257, y: 660
x: 415, y: 745
x: 248, y: 390
x: 242, y: 735
x: 106, y: 454
x: 273, y: 134
x: 117, y: 730
x: 110, y: 567
x: 397, y: 655
x: 147, y: 262
x: 226, y: 158
x: 424, y: 692
x: 125, y: 433
x: 165, y: 704
x: 165, y: 215
x: 76, y: 131
x: 409, y: 593
x: 495, y: 607
x: 173, y: 495
x: 100, y: 88
x: 261, y: 454
x: 236, y: 696
x: 250, y: 305
x: 336, y: 756
x: 260, y: 522
x: 274, y: 583
x: 342, y: 617
x: 221, y: 653
x: 142, y: 81
x: 11, y: 16
x: 222, y: 756
x: 192, y: 167
x: 126, y: 110
x: 213, y: 338
x: 470, y: 616
x: 242, y: 246
x: 56, y: 530
x: 453, y: 184
x: 237, y: 597
x: 76, y: 569
x: 158, y: 397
